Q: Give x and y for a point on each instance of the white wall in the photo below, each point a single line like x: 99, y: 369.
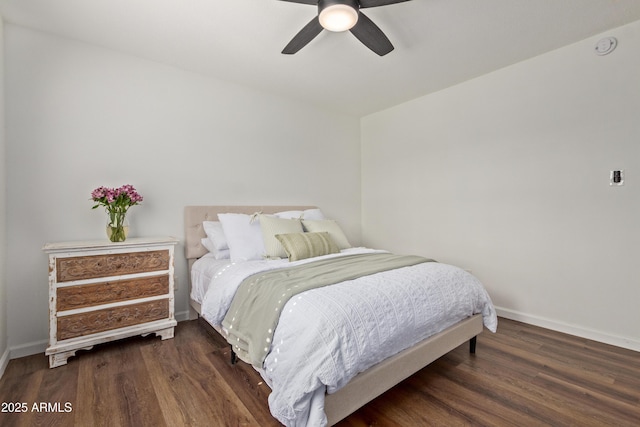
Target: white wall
x: 79, y: 116
x: 4, y: 349
x: 508, y: 175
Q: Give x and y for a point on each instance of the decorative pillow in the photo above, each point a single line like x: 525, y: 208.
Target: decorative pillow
x: 216, y: 240
x: 314, y: 214
x: 244, y: 236
x: 272, y: 225
x: 331, y: 227
x: 307, y: 245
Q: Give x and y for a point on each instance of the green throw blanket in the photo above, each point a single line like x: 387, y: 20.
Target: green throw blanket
x: 255, y: 309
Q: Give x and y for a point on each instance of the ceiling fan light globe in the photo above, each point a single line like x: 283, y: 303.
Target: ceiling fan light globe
x: 338, y: 17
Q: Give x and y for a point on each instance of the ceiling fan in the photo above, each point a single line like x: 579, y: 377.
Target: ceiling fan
x: 343, y: 15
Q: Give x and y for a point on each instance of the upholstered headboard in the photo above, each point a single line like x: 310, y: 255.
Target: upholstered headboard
x: 194, y: 215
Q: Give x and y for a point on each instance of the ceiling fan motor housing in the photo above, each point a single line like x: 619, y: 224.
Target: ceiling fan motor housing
x: 345, y: 12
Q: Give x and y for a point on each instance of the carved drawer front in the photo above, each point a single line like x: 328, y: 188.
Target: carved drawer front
x: 94, y: 266
x: 112, y: 318
x: 73, y: 297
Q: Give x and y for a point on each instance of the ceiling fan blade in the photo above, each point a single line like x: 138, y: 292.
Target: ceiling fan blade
x: 371, y: 36
x: 313, y: 2
x: 300, y: 40
x: 375, y: 3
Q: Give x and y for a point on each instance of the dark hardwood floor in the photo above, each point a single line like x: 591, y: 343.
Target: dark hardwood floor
x: 521, y: 376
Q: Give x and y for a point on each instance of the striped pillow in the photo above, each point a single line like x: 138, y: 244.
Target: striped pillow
x: 307, y: 245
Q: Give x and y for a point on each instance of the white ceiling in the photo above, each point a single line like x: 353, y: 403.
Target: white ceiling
x: 438, y: 43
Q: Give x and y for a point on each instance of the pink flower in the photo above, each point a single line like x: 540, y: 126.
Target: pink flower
x: 99, y: 192
x: 116, y: 200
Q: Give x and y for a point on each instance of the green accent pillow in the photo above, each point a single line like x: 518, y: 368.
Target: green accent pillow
x: 331, y: 227
x: 307, y: 245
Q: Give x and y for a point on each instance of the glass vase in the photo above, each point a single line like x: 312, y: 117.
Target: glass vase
x: 118, y: 229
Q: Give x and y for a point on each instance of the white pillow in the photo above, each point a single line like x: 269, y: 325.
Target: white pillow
x: 217, y: 241
x: 312, y: 214
x: 217, y: 254
x: 208, y: 244
x: 272, y: 225
x: 244, y: 236
x: 331, y: 227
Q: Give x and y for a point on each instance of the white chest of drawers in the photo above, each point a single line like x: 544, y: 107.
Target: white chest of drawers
x: 101, y: 291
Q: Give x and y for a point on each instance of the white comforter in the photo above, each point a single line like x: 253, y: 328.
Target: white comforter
x: 326, y: 336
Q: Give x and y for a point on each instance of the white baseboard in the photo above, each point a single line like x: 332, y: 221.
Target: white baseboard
x: 182, y: 316
x: 4, y: 361
x: 566, y: 328
x: 28, y: 349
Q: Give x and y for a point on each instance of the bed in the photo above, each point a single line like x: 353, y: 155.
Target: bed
x: 334, y: 401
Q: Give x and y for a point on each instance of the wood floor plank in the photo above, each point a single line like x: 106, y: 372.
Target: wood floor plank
x: 247, y: 386
x: 95, y: 385
x: 521, y: 376
x: 191, y: 398
x: 56, y: 391
x: 26, y: 365
x: 581, y: 370
x: 417, y: 411
x: 397, y: 407
x: 600, y: 408
x: 518, y: 393
x: 136, y: 399
x: 22, y: 389
x: 523, y: 390
x: 478, y: 408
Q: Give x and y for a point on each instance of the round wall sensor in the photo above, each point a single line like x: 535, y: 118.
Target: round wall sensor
x: 606, y: 45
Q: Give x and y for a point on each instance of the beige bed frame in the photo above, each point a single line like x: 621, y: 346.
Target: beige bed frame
x: 376, y: 380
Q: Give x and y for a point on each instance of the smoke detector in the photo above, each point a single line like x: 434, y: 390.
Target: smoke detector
x: 606, y: 45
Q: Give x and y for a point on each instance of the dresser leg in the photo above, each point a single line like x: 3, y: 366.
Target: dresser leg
x: 60, y: 359
x: 165, y: 334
